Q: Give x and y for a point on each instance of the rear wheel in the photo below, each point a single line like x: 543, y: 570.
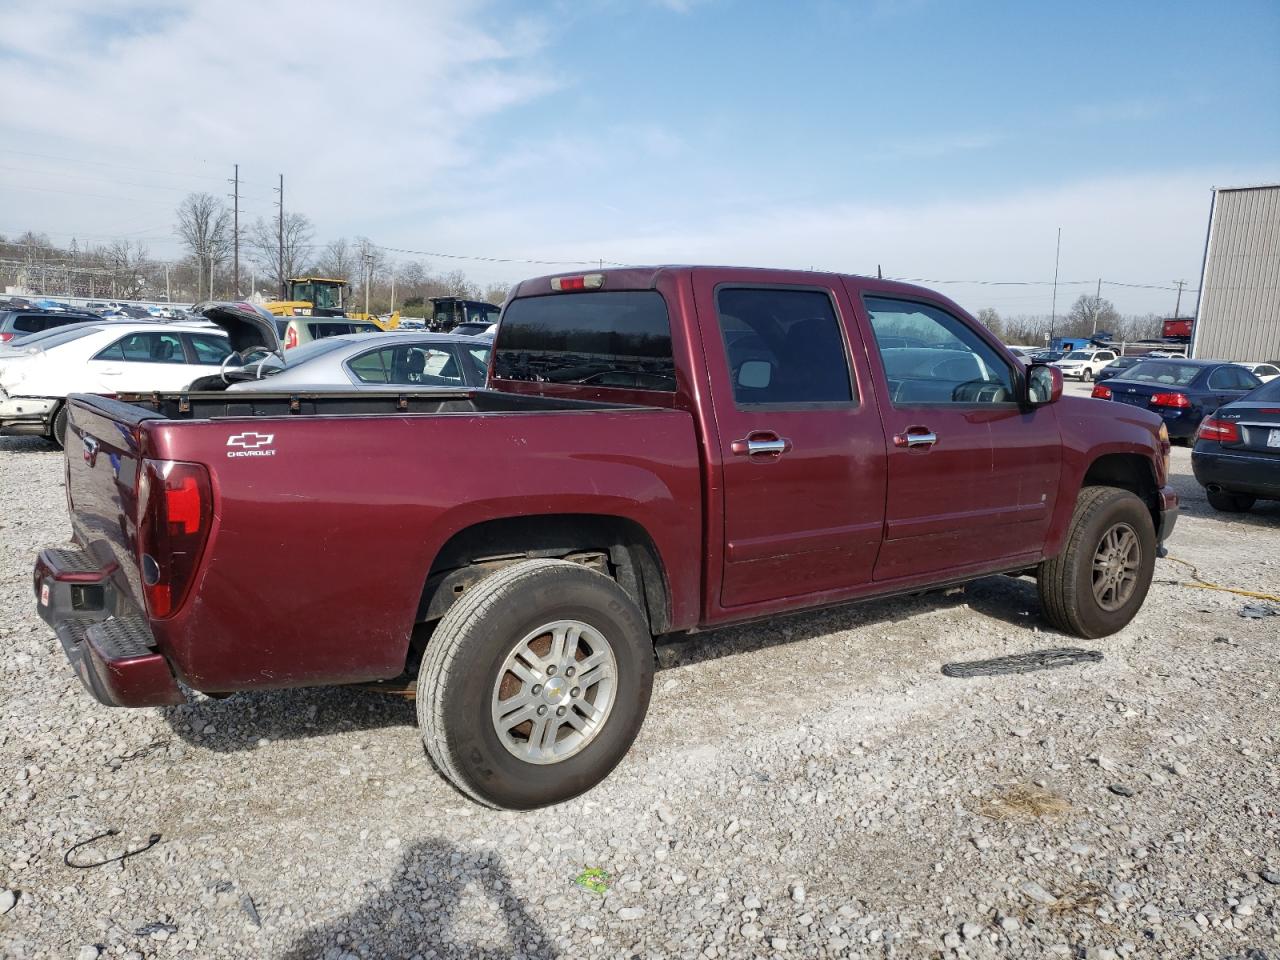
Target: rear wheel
x: 1097, y: 584
x: 1229, y: 502
x: 60, y: 426
x: 535, y: 684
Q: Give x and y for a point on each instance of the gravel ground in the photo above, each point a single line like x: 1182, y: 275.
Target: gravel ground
x: 809, y: 787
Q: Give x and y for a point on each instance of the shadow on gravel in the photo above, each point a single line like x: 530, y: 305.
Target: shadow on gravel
x: 441, y: 901
x: 27, y: 445
x: 239, y: 721
x: 1009, y: 599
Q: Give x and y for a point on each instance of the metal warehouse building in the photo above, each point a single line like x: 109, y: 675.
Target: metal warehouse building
x: 1238, y: 313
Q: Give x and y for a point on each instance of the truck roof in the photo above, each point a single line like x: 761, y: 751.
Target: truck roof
x: 646, y: 278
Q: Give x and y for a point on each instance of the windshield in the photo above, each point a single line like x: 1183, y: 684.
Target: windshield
x: 52, y: 338
x: 1159, y: 371
x: 1268, y: 391
x: 1079, y: 355
x: 299, y: 355
x: 327, y: 297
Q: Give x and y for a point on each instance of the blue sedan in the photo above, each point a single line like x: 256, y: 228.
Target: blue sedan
x: 1182, y: 392
x: 1237, y: 453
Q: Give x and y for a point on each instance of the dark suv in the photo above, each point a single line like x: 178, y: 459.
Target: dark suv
x: 19, y: 323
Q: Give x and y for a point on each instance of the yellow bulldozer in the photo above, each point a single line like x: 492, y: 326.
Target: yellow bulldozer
x: 323, y: 297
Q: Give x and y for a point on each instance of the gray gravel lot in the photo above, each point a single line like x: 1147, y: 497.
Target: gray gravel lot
x: 812, y: 786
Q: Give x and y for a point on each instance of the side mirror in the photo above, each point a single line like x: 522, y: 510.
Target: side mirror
x: 1044, y: 384
x: 755, y: 374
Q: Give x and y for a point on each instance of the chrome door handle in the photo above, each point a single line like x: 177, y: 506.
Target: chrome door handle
x: 915, y: 437
x: 751, y: 446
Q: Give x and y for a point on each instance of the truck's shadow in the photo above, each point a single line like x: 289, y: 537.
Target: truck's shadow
x: 28, y: 445
x: 441, y: 901
x: 239, y: 721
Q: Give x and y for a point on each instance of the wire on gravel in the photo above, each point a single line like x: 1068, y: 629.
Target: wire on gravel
x: 66, y: 857
x: 1202, y: 584
x: 1022, y: 662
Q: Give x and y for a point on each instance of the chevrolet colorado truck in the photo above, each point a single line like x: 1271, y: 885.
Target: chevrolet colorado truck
x: 657, y: 451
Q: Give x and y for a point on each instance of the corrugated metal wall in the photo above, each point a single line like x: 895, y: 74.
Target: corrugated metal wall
x: 1239, y: 311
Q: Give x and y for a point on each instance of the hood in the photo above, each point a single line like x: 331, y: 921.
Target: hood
x: 247, y: 326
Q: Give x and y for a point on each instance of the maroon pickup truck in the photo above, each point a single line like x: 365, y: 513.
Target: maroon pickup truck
x: 659, y: 450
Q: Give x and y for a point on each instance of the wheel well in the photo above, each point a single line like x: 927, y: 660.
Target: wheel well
x: 615, y: 546
x: 1129, y: 471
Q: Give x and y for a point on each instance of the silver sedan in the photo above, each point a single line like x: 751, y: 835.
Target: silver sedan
x: 364, y: 361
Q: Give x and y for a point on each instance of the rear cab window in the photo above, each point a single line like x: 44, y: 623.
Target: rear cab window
x: 619, y: 338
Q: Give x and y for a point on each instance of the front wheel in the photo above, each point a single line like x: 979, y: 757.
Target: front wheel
x: 59, y: 432
x: 1097, y: 584
x: 1230, y: 502
x: 1086, y: 375
x: 535, y: 684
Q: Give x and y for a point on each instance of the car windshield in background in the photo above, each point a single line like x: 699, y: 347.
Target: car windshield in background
x: 1079, y: 355
x: 1160, y: 371
x: 607, y: 339
x: 1269, y: 391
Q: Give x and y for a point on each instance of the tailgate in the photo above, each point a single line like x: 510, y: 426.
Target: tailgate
x: 103, y: 451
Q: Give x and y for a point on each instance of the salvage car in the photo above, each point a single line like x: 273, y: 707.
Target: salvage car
x: 1085, y: 364
x: 107, y: 358
x: 1237, y: 453
x: 1182, y: 392
x: 660, y: 450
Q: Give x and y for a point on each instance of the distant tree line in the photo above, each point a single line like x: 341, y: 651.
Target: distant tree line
x: 203, y: 223
x: 1088, y: 315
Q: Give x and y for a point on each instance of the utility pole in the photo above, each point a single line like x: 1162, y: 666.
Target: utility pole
x: 368, y: 279
x: 1053, y: 316
x: 168, y: 294
x: 235, y: 232
x: 1177, y: 308
x: 280, y: 236
x: 1097, y: 305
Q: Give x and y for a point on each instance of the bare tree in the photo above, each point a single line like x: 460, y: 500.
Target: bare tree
x: 990, y: 319
x: 1090, y: 314
x: 128, y: 265
x: 337, y: 260
x: 496, y: 293
x: 263, y: 240
x: 204, y: 224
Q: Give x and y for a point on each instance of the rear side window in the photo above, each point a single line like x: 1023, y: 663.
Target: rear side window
x: 783, y: 346
x: 209, y: 349
x: 408, y: 365
x: 31, y: 323
x: 603, y: 339
x: 1164, y: 371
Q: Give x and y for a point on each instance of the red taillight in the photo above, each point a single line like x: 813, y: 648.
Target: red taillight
x: 5, y: 337
x: 588, y: 281
x: 1101, y: 392
x: 291, y: 338
x: 1224, y: 431
x: 175, y: 507
x: 1178, y: 400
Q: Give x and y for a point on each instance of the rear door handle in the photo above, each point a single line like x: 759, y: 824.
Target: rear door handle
x: 915, y: 437
x: 758, y: 444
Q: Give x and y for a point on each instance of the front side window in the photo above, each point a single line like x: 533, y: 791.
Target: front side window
x: 932, y: 357
x: 145, y: 348
x: 616, y: 339
x: 783, y: 346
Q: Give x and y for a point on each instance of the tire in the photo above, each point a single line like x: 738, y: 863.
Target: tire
x: 464, y: 673
x: 59, y: 432
x: 1086, y: 375
x: 1067, y: 582
x: 1228, y: 502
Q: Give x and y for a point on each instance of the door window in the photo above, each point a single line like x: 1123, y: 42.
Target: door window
x: 210, y: 350
x: 145, y: 348
x: 784, y: 347
x: 407, y: 365
x: 932, y: 357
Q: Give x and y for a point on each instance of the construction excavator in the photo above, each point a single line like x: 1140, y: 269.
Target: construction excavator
x: 323, y: 297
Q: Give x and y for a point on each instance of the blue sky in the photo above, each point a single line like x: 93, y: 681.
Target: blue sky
x: 943, y: 140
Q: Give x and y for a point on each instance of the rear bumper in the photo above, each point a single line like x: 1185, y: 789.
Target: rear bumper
x: 109, y: 646
x: 1257, y: 475
x: 27, y: 416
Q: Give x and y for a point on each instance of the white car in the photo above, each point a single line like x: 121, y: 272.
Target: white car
x: 1084, y: 364
x: 109, y: 358
x: 1266, y: 372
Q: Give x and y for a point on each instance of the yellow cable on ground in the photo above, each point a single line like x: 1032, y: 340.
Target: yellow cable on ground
x: 1202, y: 584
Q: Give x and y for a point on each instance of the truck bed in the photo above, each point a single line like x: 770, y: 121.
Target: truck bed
x: 328, y: 509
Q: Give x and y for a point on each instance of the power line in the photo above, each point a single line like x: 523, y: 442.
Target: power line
x: 105, y: 163
x: 459, y: 256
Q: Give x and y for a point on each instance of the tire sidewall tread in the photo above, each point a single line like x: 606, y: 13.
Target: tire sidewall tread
x: 458, y: 671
